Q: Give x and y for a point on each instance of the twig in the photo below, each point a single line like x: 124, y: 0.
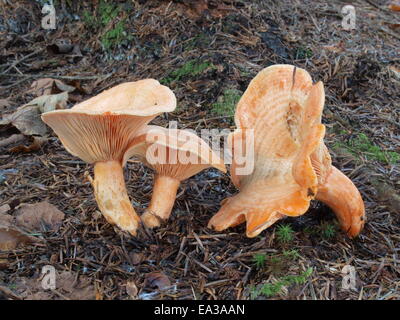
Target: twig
x: 35, y: 76
x: 22, y: 59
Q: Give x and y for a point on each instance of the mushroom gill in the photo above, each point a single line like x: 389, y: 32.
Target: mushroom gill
x: 99, y: 131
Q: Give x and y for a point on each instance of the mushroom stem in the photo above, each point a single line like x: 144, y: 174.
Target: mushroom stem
x: 111, y: 196
x: 162, y: 201
x: 342, y: 196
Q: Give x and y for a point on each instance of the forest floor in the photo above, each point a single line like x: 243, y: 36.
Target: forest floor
x: 206, y: 52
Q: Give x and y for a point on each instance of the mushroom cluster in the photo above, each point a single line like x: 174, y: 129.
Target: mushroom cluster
x: 111, y: 127
x: 282, y: 110
x: 290, y: 165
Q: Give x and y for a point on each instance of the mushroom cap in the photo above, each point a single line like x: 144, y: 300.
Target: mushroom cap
x: 173, y: 152
x: 283, y: 109
x: 101, y: 128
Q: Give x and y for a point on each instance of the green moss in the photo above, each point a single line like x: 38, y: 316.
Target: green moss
x: 291, y: 254
x: 303, y: 53
x: 272, y: 289
x: 362, y: 145
x: 226, y: 104
x: 328, y: 230
x: 191, y: 68
x: 107, y: 13
x: 285, y: 233
x: 114, y: 36
x: 259, y: 260
x: 276, y: 264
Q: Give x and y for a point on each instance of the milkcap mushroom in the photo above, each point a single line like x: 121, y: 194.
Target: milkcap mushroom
x: 99, y: 131
x: 175, y: 155
x: 282, y: 108
x: 338, y: 192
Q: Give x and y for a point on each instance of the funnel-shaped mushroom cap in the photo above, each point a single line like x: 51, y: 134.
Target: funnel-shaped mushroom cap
x: 175, y: 153
x: 101, y: 128
x: 291, y: 163
x: 283, y: 108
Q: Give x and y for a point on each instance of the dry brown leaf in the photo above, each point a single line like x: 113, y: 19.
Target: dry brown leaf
x: 131, y: 289
x: 158, y: 280
x: 27, y: 117
x: 337, y: 48
x: 4, y: 104
x: 41, y: 216
x: 136, y: 258
x: 4, y: 209
x: 50, y: 102
x: 34, y: 146
x: 6, y: 220
x: 4, y: 264
x: 75, y: 288
x: 395, y: 71
x: 68, y: 286
x: 49, y: 86
x: 27, y: 120
x: 11, y: 237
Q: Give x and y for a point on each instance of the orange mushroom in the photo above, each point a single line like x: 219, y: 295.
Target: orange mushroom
x: 338, y: 192
x: 174, y: 155
x: 100, y: 129
x: 282, y: 109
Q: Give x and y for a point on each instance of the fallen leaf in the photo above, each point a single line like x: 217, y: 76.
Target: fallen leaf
x: 27, y: 117
x: 131, y: 289
x: 4, y: 264
x: 4, y: 209
x: 37, y: 143
x: 6, y: 220
x: 4, y: 104
x: 50, y: 102
x: 157, y: 280
x: 75, y: 287
x: 337, y: 48
x: 195, y: 10
x: 396, y: 71
x: 136, y: 258
x: 49, y: 86
x: 27, y: 120
x: 41, y: 216
x: 11, y: 237
x: 69, y: 285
